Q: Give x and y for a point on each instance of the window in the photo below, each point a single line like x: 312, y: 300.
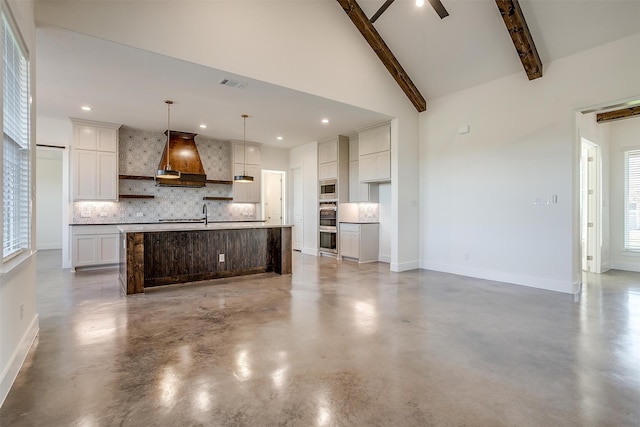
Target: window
x: 632, y: 200
x: 16, y: 164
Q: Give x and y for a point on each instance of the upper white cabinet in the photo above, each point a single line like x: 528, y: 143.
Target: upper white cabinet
x: 328, y: 151
x: 359, y: 191
x: 375, y: 154
x: 95, y: 137
x: 333, y: 163
x: 252, y: 150
x: 94, y: 161
x: 328, y: 159
x: 246, y: 192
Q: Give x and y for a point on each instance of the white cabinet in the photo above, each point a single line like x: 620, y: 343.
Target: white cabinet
x: 252, y: 150
x: 375, y: 154
x: 94, y: 245
x: 327, y: 170
x: 94, y: 162
x: 359, y: 241
x: 328, y: 159
x: 95, y: 136
x: 333, y: 163
x: 246, y: 192
x: 359, y: 191
x: 375, y: 167
x: 328, y: 151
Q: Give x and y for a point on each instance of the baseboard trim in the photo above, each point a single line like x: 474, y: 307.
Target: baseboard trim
x: 47, y: 246
x: 309, y: 251
x: 398, y: 267
x: 626, y: 266
x: 18, y: 357
x: 384, y: 258
x: 566, y: 287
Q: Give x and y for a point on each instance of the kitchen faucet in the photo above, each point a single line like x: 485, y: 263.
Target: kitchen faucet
x: 204, y: 212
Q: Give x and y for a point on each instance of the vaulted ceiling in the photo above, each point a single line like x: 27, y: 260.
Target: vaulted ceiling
x: 469, y: 47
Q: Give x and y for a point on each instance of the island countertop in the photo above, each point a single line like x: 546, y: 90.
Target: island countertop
x: 196, y: 226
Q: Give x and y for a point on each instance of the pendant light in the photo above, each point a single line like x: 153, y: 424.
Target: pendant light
x: 244, y: 177
x: 167, y: 172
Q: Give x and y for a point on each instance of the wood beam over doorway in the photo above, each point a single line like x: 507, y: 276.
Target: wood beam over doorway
x: 624, y: 113
x: 521, y: 37
x: 370, y: 34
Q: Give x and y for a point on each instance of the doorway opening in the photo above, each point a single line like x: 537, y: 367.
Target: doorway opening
x: 273, y: 197
x: 590, y: 207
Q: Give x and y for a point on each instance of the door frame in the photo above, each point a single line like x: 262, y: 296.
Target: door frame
x: 591, y: 211
x: 283, y: 204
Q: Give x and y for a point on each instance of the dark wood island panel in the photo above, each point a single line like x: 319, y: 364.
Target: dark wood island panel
x: 154, y: 258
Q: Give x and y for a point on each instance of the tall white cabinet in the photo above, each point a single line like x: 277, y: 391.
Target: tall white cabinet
x: 246, y: 192
x: 94, y: 161
x: 333, y: 163
x: 375, y: 154
x: 359, y: 191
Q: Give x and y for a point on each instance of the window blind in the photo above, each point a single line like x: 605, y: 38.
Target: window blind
x: 16, y: 143
x: 632, y: 200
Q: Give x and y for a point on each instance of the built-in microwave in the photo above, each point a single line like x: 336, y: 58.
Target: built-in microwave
x: 328, y: 189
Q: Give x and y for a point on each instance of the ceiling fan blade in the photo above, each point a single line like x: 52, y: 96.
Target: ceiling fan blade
x: 439, y: 8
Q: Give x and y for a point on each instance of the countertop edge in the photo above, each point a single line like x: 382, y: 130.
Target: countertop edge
x: 145, y: 228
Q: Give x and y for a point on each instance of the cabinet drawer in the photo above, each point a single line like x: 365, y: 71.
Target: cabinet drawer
x: 345, y: 226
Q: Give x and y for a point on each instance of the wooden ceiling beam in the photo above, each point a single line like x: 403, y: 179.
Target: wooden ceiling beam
x: 380, y: 11
x: 521, y: 37
x: 362, y: 23
x: 624, y: 113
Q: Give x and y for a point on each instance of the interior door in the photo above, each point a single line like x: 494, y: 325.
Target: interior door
x: 590, y: 209
x: 297, y: 208
x: 273, y: 197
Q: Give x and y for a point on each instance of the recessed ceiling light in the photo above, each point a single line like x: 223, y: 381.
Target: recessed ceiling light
x: 203, y: 126
x: 279, y: 138
x: 325, y: 121
x: 419, y: 3
x: 86, y: 108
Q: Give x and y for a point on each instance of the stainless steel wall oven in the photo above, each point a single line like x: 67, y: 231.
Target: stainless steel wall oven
x: 328, y: 227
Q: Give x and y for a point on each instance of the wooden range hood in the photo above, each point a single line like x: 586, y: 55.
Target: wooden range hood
x: 183, y: 157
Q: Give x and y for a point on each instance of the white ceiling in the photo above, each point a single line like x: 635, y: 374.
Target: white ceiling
x: 128, y: 86
x: 469, y: 47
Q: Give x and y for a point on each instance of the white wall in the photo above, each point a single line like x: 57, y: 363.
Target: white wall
x: 18, y: 281
x: 275, y: 159
x: 49, y: 198
x: 624, y: 135
x: 306, y: 157
x: 384, y: 216
x: 293, y: 47
x: 478, y: 216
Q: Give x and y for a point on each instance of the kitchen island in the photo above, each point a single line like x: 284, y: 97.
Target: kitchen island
x: 163, y: 254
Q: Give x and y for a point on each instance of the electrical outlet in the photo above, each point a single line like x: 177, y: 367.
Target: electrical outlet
x: 104, y: 214
x: 85, y: 214
x: 139, y: 214
x: 21, y: 311
x: 220, y: 257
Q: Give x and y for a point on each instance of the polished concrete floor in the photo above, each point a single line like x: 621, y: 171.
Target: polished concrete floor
x: 331, y: 344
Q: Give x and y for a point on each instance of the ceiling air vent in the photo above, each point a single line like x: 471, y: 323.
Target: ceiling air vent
x: 232, y: 83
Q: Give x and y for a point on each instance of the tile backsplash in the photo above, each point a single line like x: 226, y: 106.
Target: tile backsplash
x: 139, y: 154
